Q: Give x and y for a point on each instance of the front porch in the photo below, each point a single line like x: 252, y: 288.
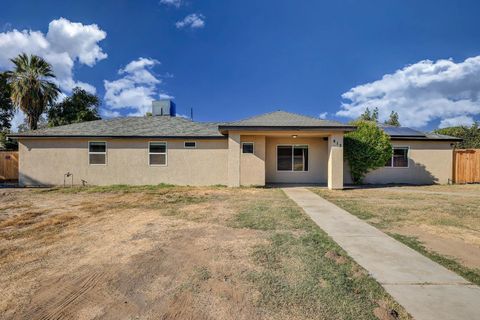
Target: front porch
x: 285, y: 157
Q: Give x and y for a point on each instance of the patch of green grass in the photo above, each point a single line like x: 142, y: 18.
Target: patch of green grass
x: 202, y: 273
x: 111, y: 188
x: 298, y: 277
x: 351, y: 205
x: 219, y: 186
x: 472, y: 275
x: 270, y: 214
x: 306, y: 274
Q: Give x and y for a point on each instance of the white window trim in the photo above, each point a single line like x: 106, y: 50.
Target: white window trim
x: 165, y: 153
x: 292, y: 145
x: 408, y: 158
x: 185, y: 144
x: 105, y: 153
x: 253, y: 145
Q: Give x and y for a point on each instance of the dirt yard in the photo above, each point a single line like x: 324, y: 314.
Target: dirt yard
x: 174, y: 253
x: 441, y: 220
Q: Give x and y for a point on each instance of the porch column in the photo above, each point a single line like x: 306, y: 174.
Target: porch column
x: 335, y: 161
x: 233, y: 159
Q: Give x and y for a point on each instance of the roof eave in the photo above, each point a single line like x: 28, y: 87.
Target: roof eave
x: 287, y: 128
x: 425, y: 138
x: 115, y: 137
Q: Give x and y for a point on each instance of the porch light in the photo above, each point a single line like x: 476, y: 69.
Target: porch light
x: 294, y: 136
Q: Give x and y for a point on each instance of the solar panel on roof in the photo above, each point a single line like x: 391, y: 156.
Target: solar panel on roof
x: 402, y: 131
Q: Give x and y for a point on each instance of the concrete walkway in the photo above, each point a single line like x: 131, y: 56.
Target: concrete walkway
x: 424, y: 288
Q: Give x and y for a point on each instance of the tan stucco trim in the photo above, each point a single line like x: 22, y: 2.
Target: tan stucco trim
x: 252, y: 165
x: 335, y: 161
x: 234, y: 160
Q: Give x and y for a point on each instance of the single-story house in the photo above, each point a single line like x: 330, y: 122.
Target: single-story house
x: 277, y: 147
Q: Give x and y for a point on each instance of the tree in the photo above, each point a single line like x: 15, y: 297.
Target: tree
x: 470, y: 135
x: 81, y: 106
x: 6, y: 106
x: 41, y: 124
x: 6, y: 112
x: 393, y: 120
x: 366, y: 149
x: 5, y: 143
x: 368, y: 115
x: 32, y: 90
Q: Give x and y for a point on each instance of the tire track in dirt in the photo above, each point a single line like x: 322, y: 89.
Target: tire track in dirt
x: 67, y: 298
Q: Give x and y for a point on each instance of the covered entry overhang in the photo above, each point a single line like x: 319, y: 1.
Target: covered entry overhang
x: 303, y: 155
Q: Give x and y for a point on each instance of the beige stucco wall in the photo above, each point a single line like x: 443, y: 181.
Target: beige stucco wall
x: 430, y: 162
x: 233, y: 166
x: 45, y: 161
x: 252, y: 166
x: 317, y: 161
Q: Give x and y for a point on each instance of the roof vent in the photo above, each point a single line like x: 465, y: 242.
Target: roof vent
x: 163, y: 107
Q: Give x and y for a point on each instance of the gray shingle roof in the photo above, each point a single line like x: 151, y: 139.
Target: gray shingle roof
x: 164, y: 126
x: 160, y: 126
x: 284, y: 119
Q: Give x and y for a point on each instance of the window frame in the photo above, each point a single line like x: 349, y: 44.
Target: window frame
x: 293, y: 157
x: 104, y: 153
x: 391, y: 166
x: 253, y: 147
x: 185, y: 144
x: 165, y: 153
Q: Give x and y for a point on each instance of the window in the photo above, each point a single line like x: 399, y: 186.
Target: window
x: 157, y: 153
x: 247, y: 147
x: 292, y: 158
x: 190, y: 145
x: 97, y: 153
x: 399, y: 158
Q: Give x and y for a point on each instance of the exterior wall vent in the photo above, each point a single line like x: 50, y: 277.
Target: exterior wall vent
x: 163, y: 107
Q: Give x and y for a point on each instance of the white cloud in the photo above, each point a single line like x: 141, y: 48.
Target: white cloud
x: 323, y: 115
x: 174, y: 3
x: 456, y: 121
x: 193, y: 21
x: 421, y: 93
x: 62, y: 46
x: 78, y: 40
x: 136, y: 89
x: 165, y: 96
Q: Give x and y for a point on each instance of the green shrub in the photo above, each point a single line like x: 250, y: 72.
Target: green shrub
x: 366, y: 149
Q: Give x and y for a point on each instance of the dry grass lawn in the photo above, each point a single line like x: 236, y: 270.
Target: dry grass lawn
x: 443, y: 220
x: 174, y: 253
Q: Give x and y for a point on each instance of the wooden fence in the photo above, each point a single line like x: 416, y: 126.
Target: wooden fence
x: 8, y: 165
x: 466, y: 167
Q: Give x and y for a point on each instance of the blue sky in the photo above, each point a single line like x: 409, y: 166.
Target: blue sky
x: 233, y: 59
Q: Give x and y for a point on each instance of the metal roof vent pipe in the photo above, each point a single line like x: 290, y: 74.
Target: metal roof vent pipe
x: 164, y: 107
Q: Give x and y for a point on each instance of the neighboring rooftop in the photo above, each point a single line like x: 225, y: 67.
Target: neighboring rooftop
x: 405, y: 133
x: 282, y: 119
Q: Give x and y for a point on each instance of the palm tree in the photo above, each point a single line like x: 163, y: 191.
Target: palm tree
x: 31, y: 89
